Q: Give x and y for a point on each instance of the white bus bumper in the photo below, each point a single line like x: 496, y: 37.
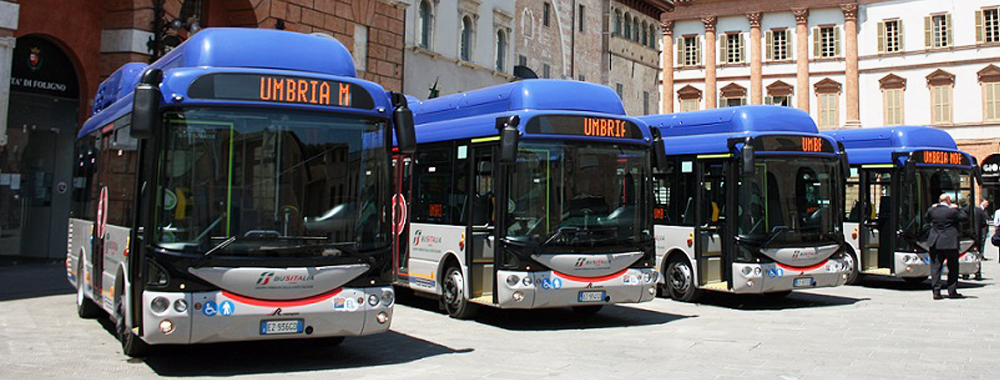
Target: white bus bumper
x: 919, y: 264
x: 551, y: 289
x: 223, y: 317
x: 774, y: 277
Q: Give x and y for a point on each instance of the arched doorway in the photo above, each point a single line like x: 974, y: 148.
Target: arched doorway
x: 36, y: 163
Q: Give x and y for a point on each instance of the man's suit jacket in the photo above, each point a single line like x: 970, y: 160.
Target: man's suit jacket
x: 944, y: 226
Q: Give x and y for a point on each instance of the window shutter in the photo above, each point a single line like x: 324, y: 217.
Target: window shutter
x: 722, y: 102
x: 722, y: 48
x: 697, y: 51
x: 901, y: 37
x: 836, y: 41
x: 789, y: 45
x: 816, y: 44
x: 881, y: 37
x: 743, y: 50
x: 768, y: 45
x: 979, y: 27
x: 768, y: 99
x: 947, y: 23
x: 680, y: 51
x: 928, y: 31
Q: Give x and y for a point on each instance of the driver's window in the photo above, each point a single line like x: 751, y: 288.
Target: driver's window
x: 484, y: 198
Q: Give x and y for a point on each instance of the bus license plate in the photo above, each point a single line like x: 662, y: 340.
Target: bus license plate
x: 803, y: 282
x: 592, y: 296
x: 281, y: 327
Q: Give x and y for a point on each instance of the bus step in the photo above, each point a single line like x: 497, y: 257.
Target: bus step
x: 885, y: 271
x: 717, y: 285
x: 484, y: 299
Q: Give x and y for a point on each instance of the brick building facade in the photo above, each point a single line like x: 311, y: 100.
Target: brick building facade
x: 55, y: 53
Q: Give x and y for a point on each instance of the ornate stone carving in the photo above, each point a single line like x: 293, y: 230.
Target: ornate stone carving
x: 801, y: 15
x: 709, y: 22
x: 755, y: 18
x: 850, y: 12
x: 667, y: 26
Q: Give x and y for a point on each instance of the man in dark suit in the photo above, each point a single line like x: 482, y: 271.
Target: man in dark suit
x: 942, y: 242
x: 983, y: 226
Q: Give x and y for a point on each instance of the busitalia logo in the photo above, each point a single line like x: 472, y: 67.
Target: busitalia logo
x: 419, y: 237
x: 416, y: 237
x: 592, y: 263
x: 265, y: 278
x: 269, y: 278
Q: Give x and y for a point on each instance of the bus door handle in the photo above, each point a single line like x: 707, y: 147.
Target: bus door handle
x: 486, y: 228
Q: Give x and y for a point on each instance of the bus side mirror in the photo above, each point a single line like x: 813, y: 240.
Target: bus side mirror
x: 977, y: 171
x: 659, y: 151
x: 509, y: 136
x: 909, y: 170
x: 747, y: 155
x: 146, y: 105
x: 402, y: 120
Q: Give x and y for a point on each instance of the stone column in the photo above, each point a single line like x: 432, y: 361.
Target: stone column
x: 802, y: 58
x: 711, y: 93
x: 851, y: 71
x: 756, y: 87
x: 668, y: 65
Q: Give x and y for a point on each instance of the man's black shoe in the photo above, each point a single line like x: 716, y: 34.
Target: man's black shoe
x: 955, y: 295
x: 937, y: 296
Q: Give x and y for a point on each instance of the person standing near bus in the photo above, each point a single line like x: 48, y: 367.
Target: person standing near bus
x: 943, y: 243
x: 983, y: 226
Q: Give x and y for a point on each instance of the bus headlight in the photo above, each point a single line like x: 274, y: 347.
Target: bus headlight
x: 159, y: 305
x: 746, y: 271
x: 756, y: 271
x: 526, y: 281
x: 646, y: 277
x: 166, y: 326
x: 180, y: 305
x: 512, y: 280
x: 388, y: 297
x: 373, y: 300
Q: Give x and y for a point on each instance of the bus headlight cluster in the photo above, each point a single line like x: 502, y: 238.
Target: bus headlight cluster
x: 388, y: 297
x: 373, y: 300
x: 159, y: 305
x: 911, y: 259
x: 512, y: 280
x: 180, y: 305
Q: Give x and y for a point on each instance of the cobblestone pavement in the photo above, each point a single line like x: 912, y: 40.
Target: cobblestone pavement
x: 883, y: 329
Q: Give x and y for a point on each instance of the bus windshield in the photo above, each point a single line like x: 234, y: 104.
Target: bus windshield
x: 929, y: 184
x: 579, y: 194
x: 789, y: 201
x: 273, y: 183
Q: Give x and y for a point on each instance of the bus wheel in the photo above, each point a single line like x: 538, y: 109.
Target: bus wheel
x: 132, y: 345
x: 854, y: 276
x: 456, y: 303
x: 586, y: 311
x: 680, y: 282
x: 85, y: 307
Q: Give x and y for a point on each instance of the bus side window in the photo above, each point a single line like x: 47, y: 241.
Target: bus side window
x: 123, y: 165
x: 484, y: 199
x: 84, y: 172
x: 432, y: 178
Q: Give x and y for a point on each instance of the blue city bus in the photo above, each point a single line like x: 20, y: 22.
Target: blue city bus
x: 747, y: 203
x: 237, y: 189
x: 532, y: 194
x: 897, y: 173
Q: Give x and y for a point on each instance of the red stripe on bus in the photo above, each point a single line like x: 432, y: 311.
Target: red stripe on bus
x: 284, y: 303
x: 802, y: 269
x: 591, y: 279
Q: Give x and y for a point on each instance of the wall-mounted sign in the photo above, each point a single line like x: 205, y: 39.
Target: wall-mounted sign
x: 41, y: 67
x: 991, y: 165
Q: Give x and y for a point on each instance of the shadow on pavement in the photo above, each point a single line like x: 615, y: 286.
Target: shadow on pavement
x: 285, y: 356
x: 795, y: 300
x: 33, y: 280
x: 552, y: 319
x: 892, y: 283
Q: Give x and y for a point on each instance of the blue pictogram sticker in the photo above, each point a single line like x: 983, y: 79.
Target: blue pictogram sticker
x: 226, y: 308
x: 556, y: 284
x: 546, y: 284
x: 775, y: 272
x: 210, y: 309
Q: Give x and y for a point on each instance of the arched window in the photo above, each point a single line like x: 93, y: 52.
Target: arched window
x: 424, y: 36
x: 501, y: 50
x: 652, y: 36
x: 628, y: 25
x: 635, y: 29
x: 645, y: 34
x: 618, y: 22
x: 466, y: 33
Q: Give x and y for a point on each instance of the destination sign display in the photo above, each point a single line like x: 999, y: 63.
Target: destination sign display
x: 779, y: 143
x: 281, y: 89
x: 939, y: 157
x: 585, y: 126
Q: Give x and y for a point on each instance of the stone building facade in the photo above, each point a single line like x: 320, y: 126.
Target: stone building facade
x: 55, y: 53
x: 610, y: 42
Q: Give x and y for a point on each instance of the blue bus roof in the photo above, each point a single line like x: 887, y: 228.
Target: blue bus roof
x: 263, y: 51
x: 709, y: 131
x: 867, y: 146
x: 473, y: 114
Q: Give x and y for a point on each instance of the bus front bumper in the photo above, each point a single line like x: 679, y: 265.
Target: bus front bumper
x: 552, y: 289
x: 908, y: 264
x: 224, y: 317
x: 774, y: 277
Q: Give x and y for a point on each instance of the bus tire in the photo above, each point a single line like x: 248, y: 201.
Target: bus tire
x: 680, y: 282
x: 587, y: 311
x: 132, y: 345
x: 453, y: 296
x: 854, y: 276
x: 85, y: 307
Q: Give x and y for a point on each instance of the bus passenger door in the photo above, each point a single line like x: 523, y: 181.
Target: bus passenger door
x: 100, y: 224
x: 482, y: 223
x: 711, y: 221
x: 401, y: 166
x: 875, y: 187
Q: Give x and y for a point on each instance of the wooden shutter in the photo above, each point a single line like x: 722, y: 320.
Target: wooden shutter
x: 980, y: 33
x: 899, y: 33
x: 697, y: 51
x: 947, y: 23
x: 722, y: 48
x: 743, y: 51
x: 768, y: 45
x: 836, y: 41
x: 882, y: 43
x: 816, y: 43
x: 928, y: 33
x: 680, y: 51
x: 789, y: 45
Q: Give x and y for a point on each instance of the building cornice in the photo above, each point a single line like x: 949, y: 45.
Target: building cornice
x: 694, y: 9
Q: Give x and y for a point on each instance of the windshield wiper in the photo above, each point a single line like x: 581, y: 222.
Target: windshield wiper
x: 559, y: 232
x: 221, y: 246
x: 775, y: 232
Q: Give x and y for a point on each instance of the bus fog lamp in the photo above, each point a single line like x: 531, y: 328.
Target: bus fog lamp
x: 382, y: 317
x: 388, y: 297
x: 166, y: 326
x: 518, y: 296
x: 652, y: 291
x: 180, y: 305
x: 373, y: 300
x: 159, y: 305
x: 512, y: 280
x: 750, y: 283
